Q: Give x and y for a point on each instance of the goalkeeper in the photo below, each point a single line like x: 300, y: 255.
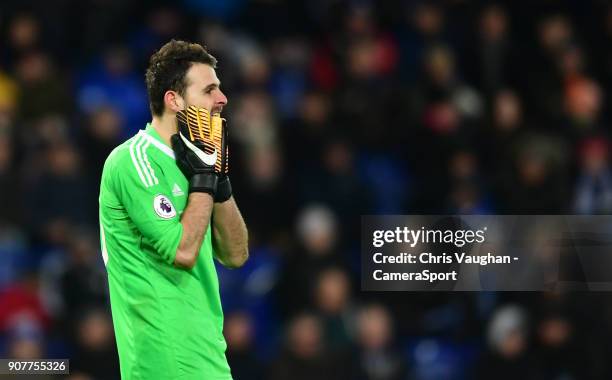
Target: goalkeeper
x: 166, y: 212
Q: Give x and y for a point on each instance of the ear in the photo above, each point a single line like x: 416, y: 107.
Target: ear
x: 174, y: 101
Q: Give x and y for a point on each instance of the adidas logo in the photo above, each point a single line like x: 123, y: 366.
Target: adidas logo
x: 176, y: 190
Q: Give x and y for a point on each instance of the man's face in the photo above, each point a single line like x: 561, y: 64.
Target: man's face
x: 203, y: 89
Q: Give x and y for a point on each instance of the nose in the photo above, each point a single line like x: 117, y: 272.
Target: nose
x: 222, y: 99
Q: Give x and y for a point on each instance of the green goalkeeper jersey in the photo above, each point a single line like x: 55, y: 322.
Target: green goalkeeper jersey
x: 168, y: 321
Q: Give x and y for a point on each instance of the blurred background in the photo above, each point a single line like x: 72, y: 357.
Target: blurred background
x: 337, y: 109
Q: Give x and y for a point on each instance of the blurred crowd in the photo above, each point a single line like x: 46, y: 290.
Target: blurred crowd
x: 337, y: 109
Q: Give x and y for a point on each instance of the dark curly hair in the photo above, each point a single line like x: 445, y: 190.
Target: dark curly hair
x: 168, y: 67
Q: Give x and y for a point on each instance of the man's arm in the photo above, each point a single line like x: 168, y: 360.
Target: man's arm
x: 230, y: 236
x: 195, y: 220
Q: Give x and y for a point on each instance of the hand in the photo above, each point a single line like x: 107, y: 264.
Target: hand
x: 197, y: 149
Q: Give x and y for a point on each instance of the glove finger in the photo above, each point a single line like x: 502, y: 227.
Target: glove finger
x: 224, y: 130
x: 177, y: 144
x: 203, y: 119
x: 195, y: 123
x: 224, y: 148
x: 182, y: 123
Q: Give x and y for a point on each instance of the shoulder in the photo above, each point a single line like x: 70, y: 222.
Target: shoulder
x: 119, y: 156
x: 131, y: 160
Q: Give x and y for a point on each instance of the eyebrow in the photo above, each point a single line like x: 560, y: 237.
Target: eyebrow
x: 212, y: 86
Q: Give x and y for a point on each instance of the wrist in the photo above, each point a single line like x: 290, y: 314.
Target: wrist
x: 224, y: 190
x: 199, y: 196
x: 204, y: 183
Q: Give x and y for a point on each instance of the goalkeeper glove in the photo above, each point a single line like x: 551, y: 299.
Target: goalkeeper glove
x: 195, y: 149
x: 224, y: 188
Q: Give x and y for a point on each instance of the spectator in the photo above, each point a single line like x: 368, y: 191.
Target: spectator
x: 42, y: 89
x: 60, y: 197
x: 83, y: 282
x: 241, y: 354
x: 491, y: 63
x: 558, y: 349
x: 101, y: 134
x: 593, y: 194
x: 303, y: 356
x: 95, y: 353
x: 332, y: 299
x: 9, y: 188
x: 113, y: 82
x: 317, y: 250
x: 378, y: 358
x: 508, y: 356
